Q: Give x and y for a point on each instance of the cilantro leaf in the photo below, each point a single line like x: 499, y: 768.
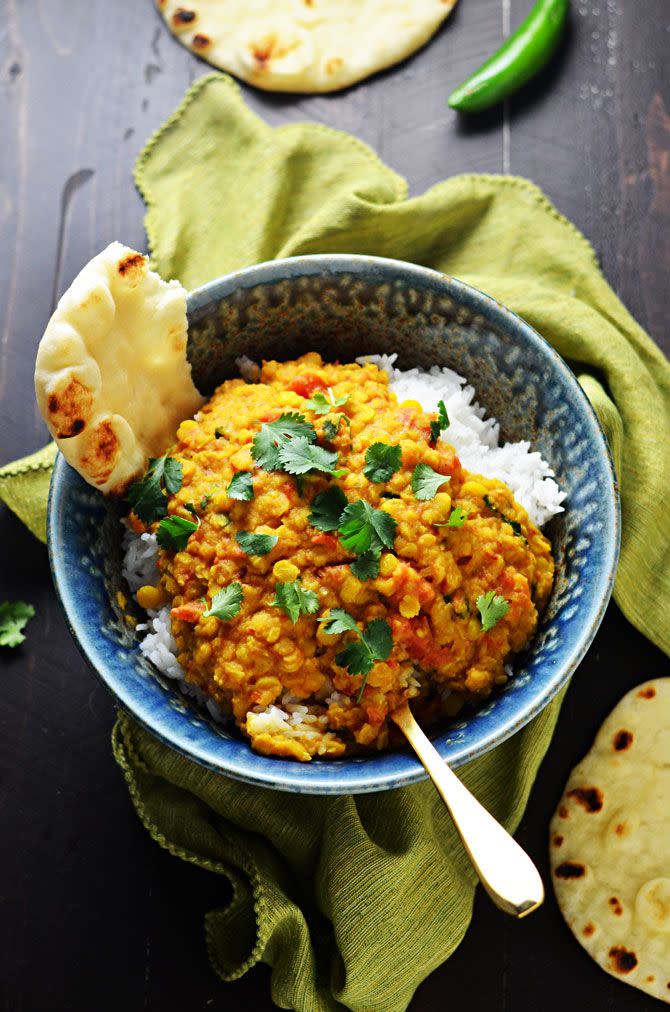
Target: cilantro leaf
x: 14, y: 616
x: 227, y: 602
x: 148, y: 496
x: 327, y: 509
x: 362, y: 528
x: 338, y: 621
x: 492, y: 607
x: 256, y: 544
x: 299, y: 455
x: 321, y: 405
x: 266, y: 443
x: 173, y: 533
x: 457, y: 518
x: 366, y: 566
x: 359, y: 656
x: 382, y: 460
x: 295, y: 601
x: 425, y: 481
x: 440, y: 423
x: 241, y: 486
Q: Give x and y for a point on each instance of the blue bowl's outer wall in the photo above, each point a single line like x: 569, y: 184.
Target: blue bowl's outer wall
x: 518, y: 377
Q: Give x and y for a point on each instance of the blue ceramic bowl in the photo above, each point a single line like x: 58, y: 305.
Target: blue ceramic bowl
x: 344, y: 306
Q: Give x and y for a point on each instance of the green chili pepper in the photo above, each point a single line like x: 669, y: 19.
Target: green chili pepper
x: 522, y: 56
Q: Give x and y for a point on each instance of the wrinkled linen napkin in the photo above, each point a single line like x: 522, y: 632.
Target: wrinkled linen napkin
x: 354, y: 900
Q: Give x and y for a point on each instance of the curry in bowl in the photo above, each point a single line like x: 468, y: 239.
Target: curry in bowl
x: 322, y: 556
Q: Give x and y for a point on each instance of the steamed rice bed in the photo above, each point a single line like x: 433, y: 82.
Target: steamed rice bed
x: 285, y: 683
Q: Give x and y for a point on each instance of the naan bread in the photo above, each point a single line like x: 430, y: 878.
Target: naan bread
x: 304, y: 45
x: 609, y: 843
x: 111, y: 377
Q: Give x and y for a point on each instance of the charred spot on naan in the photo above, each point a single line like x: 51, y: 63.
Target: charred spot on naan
x: 622, y: 960
x: 590, y: 798
x: 201, y: 42
x: 102, y: 451
x: 182, y: 18
x: 132, y: 266
x: 623, y: 740
x: 69, y: 409
x: 570, y: 869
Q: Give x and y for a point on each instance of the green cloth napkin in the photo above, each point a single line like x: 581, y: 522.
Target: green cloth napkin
x: 353, y: 901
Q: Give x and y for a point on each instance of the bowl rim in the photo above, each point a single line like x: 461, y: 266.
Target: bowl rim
x: 313, y: 778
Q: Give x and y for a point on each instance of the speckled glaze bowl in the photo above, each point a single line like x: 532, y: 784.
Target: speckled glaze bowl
x: 344, y: 306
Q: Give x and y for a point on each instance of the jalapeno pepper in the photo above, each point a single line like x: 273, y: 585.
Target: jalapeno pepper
x: 522, y: 56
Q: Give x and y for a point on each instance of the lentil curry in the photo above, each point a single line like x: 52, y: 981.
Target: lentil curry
x: 323, y: 551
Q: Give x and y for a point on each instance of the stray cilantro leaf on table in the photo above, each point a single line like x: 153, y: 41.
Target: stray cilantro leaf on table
x: 14, y: 616
x: 241, y: 486
x: 173, y: 533
x: 425, y: 481
x: 440, y: 423
x: 327, y: 509
x: 148, y: 496
x: 366, y: 566
x: 457, y: 518
x: 322, y: 405
x: 375, y: 643
x: 382, y: 460
x: 266, y: 444
x: 294, y: 600
x: 227, y: 602
x: 256, y: 544
x: 299, y: 455
x: 362, y: 528
x: 492, y: 607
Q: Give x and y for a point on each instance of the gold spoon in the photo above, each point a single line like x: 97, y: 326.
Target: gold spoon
x: 505, y: 870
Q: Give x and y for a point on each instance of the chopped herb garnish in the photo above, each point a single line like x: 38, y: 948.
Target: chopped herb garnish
x: 294, y: 600
x: 359, y: 656
x: 425, y: 481
x: 299, y: 455
x: 515, y: 525
x: 382, y: 460
x: 241, y: 486
x: 227, y: 602
x: 330, y: 429
x: 390, y: 495
x: 219, y: 433
x: 148, y: 496
x: 440, y: 423
x: 362, y: 528
x: 14, y: 616
x: 327, y: 509
x: 191, y: 508
x: 322, y: 405
x: 492, y: 607
x: 266, y: 444
x: 366, y: 566
x: 256, y: 544
x: 457, y: 518
x: 173, y: 533
x: 203, y: 502
x: 446, y: 598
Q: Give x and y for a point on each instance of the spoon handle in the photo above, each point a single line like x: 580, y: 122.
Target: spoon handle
x: 505, y: 870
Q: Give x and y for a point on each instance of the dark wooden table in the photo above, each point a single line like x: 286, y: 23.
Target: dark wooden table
x: 96, y: 916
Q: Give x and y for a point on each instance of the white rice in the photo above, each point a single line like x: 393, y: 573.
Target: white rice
x: 475, y: 439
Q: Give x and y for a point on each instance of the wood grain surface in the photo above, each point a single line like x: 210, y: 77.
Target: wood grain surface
x: 95, y: 916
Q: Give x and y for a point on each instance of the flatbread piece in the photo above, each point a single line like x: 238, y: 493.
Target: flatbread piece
x: 112, y: 379
x: 304, y: 45
x: 609, y: 843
